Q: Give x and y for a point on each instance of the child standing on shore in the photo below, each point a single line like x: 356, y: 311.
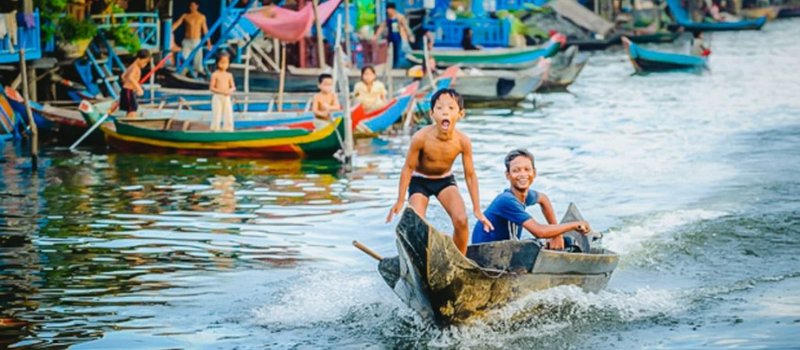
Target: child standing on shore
x: 428, y: 168
x: 222, y: 86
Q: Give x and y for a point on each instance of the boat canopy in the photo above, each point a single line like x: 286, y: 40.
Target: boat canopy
x: 288, y: 25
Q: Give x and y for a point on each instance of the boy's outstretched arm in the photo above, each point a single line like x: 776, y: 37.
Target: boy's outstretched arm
x: 472, y: 182
x: 405, y: 175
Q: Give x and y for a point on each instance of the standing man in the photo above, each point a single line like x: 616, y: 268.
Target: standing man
x: 196, y: 28
x: 398, y: 33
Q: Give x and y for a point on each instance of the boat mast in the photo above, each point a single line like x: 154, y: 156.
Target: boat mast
x: 320, y: 44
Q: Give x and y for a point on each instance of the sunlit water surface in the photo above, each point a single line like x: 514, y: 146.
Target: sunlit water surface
x: 693, y: 179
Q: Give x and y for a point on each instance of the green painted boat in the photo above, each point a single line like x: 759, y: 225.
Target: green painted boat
x: 170, y: 135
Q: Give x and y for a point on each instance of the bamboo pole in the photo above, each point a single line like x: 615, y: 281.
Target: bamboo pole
x: 28, y: 111
x: 347, y: 30
x: 388, y: 66
x: 283, y: 77
x: 320, y: 44
x: 367, y: 251
x: 247, y: 78
x: 348, y: 120
x: 426, y: 57
x: 152, y: 83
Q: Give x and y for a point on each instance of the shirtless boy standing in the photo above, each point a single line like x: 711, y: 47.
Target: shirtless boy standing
x: 196, y: 28
x: 428, y: 168
x: 222, y: 87
x: 130, y: 84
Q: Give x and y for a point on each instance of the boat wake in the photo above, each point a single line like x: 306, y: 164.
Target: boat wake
x: 636, y: 236
x: 343, y: 309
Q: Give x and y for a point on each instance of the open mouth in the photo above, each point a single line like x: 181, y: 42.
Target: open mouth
x: 446, y: 124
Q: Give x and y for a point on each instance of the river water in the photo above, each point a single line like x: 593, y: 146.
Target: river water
x: 693, y: 179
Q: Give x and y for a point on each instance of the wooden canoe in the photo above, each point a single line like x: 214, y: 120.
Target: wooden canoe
x: 297, y: 79
x: 171, y: 135
x: 788, y: 11
x: 565, y: 68
x: 487, y: 87
x: 432, y: 277
x: 644, y: 60
x: 682, y: 19
x: 506, y: 58
x: 770, y: 12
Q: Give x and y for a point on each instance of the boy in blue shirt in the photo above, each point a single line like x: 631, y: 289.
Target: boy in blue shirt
x: 507, y: 211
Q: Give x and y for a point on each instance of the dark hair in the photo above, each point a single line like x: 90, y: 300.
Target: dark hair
x: 221, y: 55
x: 324, y: 76
x: 466, y: 39
x: 519, y: 152
x: 142, y: 54
x: 391, y: 5
x: 450, y: 92
x: 196, y: 2
x: 367, y: 67
x: 697, y: 34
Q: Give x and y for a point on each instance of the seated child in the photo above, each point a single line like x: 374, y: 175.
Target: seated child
x: 325, y: 100
x: 369, y: 92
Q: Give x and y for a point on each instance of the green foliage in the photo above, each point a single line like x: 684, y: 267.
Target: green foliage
x: 71, y: 29
x: 517, y: 27
x: 50, y: 11
x: 125, y: 37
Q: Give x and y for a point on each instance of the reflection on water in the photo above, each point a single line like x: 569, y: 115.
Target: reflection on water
x: 691, y: 178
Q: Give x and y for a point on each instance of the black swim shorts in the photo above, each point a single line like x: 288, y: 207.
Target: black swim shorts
x: 429, y: 187
x: 127, y: 101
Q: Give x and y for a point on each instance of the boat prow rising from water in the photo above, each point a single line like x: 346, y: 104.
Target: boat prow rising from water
x: 431, y: 276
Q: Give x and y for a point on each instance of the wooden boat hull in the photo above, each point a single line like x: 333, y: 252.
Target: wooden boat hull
x: 432, y: 277
x: 501, y: 87
x: 682, y: 19
x: 660, y: 37
x: 301, y: 80
x: 594, y: 44
x: 515, y: 58
x: 564, y: 70
x: 378, y: 121
x: 770, y: 12
x: 789, y: 11
x: 144, y: 135
x: 653, y: 61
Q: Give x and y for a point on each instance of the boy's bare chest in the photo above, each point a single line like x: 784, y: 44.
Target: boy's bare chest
x: 436, y: 150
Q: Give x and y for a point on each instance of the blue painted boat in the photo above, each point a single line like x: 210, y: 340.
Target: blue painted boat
x: 683, y: 20
x: 506, y: 58
x: 649, y: 61
x: 375, y: 123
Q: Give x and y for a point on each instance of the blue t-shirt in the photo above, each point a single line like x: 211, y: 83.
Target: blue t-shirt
x: 506, y: 213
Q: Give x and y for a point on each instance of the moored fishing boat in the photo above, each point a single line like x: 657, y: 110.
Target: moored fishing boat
x: 644, y: 60
x: 770, y: 12
x: 788, y: 11
x: 500, y: 87
x: 297, y: 79
x: 432, y: 277
x: 506, y: 58
x: 682, y: 19
x: 565, y: 68
x: 171, y: 135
